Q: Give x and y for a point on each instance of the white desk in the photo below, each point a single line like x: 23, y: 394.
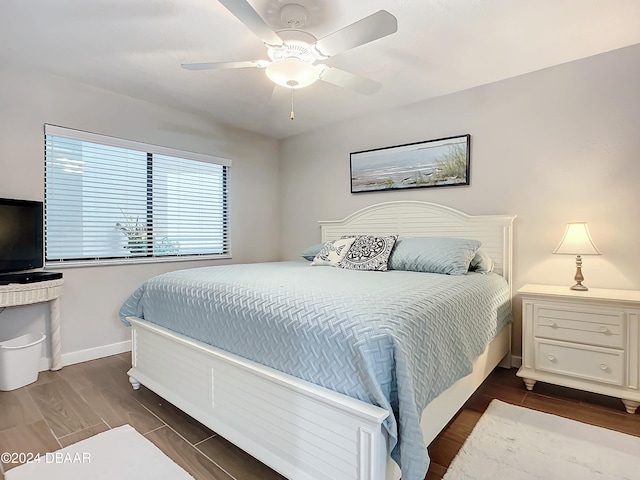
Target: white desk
x: 14, y: 295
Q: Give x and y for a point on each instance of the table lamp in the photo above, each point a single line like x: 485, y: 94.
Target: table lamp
x: 577, y: 241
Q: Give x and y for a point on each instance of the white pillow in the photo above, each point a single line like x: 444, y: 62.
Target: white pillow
x: 333, y: 252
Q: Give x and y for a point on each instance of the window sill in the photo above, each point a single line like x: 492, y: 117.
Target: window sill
x: 130, y: 261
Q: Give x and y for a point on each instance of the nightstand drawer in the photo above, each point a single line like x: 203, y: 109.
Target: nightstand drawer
x: 591, y: 363
x: 572, y: 324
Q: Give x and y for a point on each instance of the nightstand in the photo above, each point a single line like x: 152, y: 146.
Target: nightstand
x: 585, y: 340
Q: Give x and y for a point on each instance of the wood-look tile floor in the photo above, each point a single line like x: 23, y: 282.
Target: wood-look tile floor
x: 81, y: 400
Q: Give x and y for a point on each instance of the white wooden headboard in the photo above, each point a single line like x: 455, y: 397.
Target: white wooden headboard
x: 424, y: 219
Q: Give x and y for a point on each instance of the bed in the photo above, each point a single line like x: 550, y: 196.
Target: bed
x: 302, y: 419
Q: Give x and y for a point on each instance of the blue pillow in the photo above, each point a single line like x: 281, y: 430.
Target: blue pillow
x: 450, y: 256
x: 309, y: 253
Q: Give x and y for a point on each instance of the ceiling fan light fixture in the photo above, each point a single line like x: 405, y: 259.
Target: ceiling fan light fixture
x: 292, y: 73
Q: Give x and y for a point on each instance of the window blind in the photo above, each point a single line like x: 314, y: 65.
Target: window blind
x: 109, y: 199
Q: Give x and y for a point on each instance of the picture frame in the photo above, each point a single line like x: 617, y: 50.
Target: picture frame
x: 442, y: 162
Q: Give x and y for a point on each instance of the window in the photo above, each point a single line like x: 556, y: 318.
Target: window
x: 114, y: 200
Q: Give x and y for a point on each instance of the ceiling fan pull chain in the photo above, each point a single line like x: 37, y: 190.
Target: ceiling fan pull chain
x: 292, y: 113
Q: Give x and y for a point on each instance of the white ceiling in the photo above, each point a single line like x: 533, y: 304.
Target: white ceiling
x: 135, y: 48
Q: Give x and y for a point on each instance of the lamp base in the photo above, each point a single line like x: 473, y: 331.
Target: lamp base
x: 579, y: 277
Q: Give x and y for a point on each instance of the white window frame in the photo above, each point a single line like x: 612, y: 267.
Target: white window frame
x: 67, y: 133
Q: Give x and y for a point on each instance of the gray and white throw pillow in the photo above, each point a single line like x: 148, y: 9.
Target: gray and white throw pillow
x: 333, y: 252
x: 481, y: 263
x: 369, y: 252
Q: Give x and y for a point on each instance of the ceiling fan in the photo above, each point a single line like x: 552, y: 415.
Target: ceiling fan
x: 293, y: 53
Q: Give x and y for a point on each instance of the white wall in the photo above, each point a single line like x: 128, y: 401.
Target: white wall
x: 552, y: 146
x: 93, y: 296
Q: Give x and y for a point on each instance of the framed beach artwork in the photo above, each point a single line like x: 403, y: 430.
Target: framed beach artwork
x: 443, y: 162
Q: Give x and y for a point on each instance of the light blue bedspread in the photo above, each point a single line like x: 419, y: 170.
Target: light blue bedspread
x: 394, y: 339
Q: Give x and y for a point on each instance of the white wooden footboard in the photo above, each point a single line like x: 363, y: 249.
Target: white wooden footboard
x: 299, y: 429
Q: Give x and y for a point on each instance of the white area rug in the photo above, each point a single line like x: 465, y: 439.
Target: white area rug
x: 120, y: 453
x: 510, y: 442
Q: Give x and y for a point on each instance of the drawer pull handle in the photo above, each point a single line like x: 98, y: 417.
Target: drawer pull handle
x: 551, y: 358
x: 604, y: 329
x: 552, y: 323
x: 603, y: 367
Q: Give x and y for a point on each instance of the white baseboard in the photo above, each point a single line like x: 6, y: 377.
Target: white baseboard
x: 80, y: 356
x: 516, y: 362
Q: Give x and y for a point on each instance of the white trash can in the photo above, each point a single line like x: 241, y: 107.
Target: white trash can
x: 20, y: 360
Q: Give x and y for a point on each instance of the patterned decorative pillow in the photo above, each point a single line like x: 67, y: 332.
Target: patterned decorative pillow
x: 333, y: 252
x: 369, y: 252
x: 481, y: 263
x: 450, y: 256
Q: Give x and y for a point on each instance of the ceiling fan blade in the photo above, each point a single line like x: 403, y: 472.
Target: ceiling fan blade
x: 223, y: 65
x: 244, y: 12
x: 348, y: 80
x: 373, y: 27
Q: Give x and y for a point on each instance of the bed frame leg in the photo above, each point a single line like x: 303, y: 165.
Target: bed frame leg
x: 134, y: 383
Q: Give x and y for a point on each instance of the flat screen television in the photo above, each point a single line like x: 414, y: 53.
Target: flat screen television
x: 21, y: 235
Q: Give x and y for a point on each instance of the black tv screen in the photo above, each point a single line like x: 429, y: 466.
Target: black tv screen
x: 21, y: 234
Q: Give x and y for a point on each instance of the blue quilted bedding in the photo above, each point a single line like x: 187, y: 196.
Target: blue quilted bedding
x: 394, y: 339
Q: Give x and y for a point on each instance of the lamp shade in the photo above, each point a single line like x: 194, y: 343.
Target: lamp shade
x: 577, y: 241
